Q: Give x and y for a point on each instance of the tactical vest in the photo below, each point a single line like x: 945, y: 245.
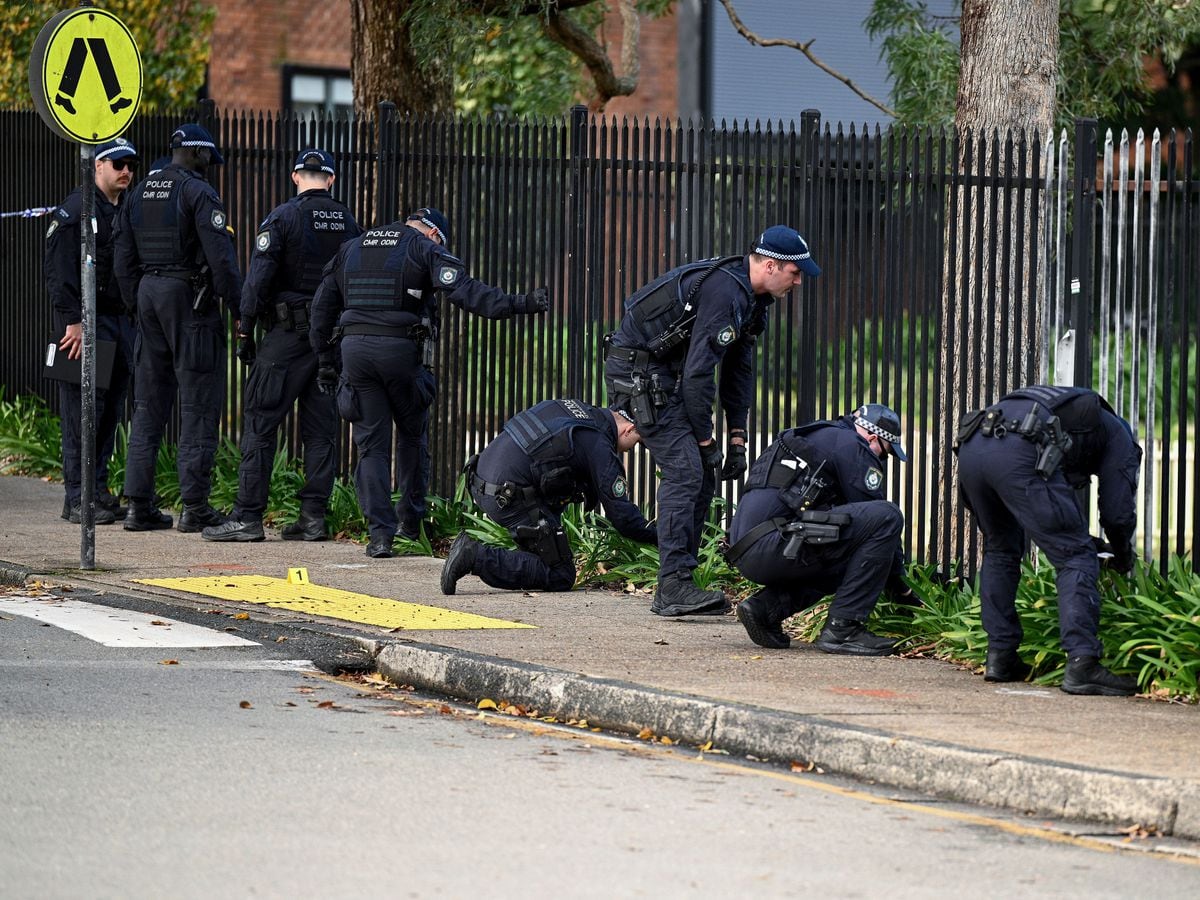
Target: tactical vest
x: 544, y: 434
x: 661, y: 315
x: 385, y: 274
x: 1063, y: 401
x: 791, y: 458
x: 155, y: 219
x: 324, y: 225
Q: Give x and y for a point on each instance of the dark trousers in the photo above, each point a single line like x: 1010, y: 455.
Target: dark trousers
x: 384, y: 384
x: 520, y: 569
x: 1009, y: 502
x: 285, y: 371
x: 177, y: 349
x: 685, y: 488
x: 110, y: 409
x: 854, y: 569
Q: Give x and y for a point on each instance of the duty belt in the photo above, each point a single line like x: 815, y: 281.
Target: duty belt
x: 411, y: 332
x: 506, y: 494
x: 631, y: 355
x: 170, y: 272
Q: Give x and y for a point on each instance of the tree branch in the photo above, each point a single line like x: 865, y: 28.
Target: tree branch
x: 566, y: 31
x: 807, y: 51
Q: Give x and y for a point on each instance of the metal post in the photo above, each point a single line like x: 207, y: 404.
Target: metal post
x: 87, y: 379
x: 806, y: 376
x: 1082, y: 248
x: 577, y: 267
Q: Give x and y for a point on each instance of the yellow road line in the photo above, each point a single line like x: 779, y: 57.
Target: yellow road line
x: 331, y: 603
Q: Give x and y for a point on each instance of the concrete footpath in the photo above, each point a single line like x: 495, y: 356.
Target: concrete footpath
x: 918, y: 724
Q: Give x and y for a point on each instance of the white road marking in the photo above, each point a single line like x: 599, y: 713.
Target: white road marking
x: 118, y: 627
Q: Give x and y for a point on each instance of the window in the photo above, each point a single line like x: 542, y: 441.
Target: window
x: 318, y: 90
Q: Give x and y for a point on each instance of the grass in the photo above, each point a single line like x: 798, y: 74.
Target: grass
x: 1149, y: 622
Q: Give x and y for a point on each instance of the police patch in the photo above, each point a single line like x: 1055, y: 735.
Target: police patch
x: 873, y: 479
x: 53, y: 227
x: 263, y: 241
x: 620, y: 488
x: 447, y: 275
x: 726, y: 336
x: 218, y: 220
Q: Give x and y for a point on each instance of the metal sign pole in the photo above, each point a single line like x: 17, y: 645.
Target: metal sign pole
x: 87, y: 379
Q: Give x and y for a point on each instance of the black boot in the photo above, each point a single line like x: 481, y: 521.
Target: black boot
x: 459, y: 562
x: 145, y: 516
x: 308, y: 527
x: 198, y: 516
x: 410, y: 531
x: 1085, y: 675
x: 103, y: 516
x: 379, y: 548
x: 112, y: 503
x: 677, y: 595
x: 762, y: 614
x: 1005, y: 665
x: 849, y: 637
x: 234, y: 530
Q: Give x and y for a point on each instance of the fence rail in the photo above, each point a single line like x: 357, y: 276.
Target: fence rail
x: 1056, y: 256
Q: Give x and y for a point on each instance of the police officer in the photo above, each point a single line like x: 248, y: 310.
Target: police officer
x: 1019, y: 463
x: 676, y: 332
x: 813, y: 521
x: 291, y: 249
x: 173, y: 254
x: 557, y: 452
x: 379, y: 291
x: 115, y: 165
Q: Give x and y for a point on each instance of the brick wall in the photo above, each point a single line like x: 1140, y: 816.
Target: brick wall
x: 657, y: 92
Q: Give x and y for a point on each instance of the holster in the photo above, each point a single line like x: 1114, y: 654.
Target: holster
x: 547, y: 542
x: 813, y: 527
x: 967, y: 426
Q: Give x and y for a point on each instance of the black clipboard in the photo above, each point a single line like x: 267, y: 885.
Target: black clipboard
x: 70, y: 371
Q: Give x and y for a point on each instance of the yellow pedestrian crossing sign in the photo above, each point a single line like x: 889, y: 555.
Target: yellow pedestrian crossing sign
x: 85, y: 75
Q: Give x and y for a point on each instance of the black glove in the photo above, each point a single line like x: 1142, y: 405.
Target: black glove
x: 246, y: 348
x: 736, y: 465
x: 327, y: 380
x: 1123, y: 559
x: 710, y: 456
x: 537, y: 301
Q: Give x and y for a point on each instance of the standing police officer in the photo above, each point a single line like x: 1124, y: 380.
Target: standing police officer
x: 557, y: 452
x: 676, y: 332
x: 173, y: 253
x: 813, y: 521
x: 291, y: 249
x: 1019, y: 463
x: 379, y: 290
x: 115, y: 163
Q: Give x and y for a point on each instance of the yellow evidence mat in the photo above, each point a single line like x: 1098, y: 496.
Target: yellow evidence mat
x: 331, y: 603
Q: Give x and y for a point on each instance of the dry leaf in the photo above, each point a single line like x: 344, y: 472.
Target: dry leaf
x: 280, y: 639
x: 242, y: 615
x: 646, y: 734
x: 168, y: 662
x: 666, y: 740
x: 445, y: 710
x: 325, y: 704
x: 305, y: 690
x: 486, y: 704
x: 756, y: 657
x: 289, y: 703
x: 156, y: 622
x: 246, y: 704
x: 706, y: 746
x: 661, y: 642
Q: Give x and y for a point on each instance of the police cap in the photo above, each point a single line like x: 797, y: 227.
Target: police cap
x: 784, y: 243
x: 314, y: 160
x: 433, y: 218
x: 883, y: 422
x: 193, y: 135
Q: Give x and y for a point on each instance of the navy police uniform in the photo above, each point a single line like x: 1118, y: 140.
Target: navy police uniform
x: 1018, y: 477
x: 173, y: 252
x: 62, y: 272
x: 291, y: 248
x: 380, y: 291
x: 554, y: 453
x: 823, y: 474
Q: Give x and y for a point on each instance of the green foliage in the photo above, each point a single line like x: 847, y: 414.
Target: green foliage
x: 172, y: 36
x: 1102, y: 48
x: 30, y: 438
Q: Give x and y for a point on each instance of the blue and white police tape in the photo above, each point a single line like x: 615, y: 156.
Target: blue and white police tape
x: 29, y: 213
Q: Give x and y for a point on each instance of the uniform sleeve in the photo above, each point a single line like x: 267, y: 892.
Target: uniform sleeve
x: 126, y: 265
x: 327, y: 306
x: 447, y: 274
x: 737, y: 381
x: 861, y: 474
x: 61, y: 265
x: 599, y: 458
x: 210, y: 220
x: 269, y: 243
x: 1120, y: 469
x: 714, y: 331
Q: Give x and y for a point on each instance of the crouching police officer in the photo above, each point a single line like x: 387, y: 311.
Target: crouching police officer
x: 813, y: 521
x: 115, y: 163
x: 659, y: 366
x: 1019, y: 463
x: 291, y: 249
x: 379, y: 290
x: 173, y: 254
x: 557, y: 452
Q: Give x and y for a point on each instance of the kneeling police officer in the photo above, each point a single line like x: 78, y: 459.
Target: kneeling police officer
x: 813, y: 521
x: 552, y: 454
x: 1019, y: 463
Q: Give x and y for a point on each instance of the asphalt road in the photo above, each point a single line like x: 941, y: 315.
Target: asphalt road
x: 242, y: 771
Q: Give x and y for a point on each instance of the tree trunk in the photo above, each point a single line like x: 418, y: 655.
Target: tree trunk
x: 383, y: 66
x: 1007, y: 79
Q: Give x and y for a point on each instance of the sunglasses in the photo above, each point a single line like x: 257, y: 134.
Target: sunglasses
x: 120, y: 165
